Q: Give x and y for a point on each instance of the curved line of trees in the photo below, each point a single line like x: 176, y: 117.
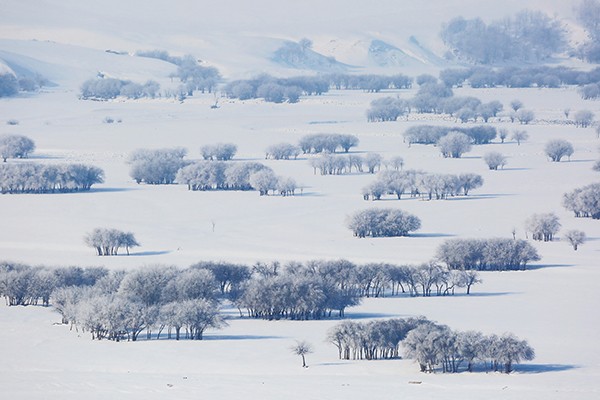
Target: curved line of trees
x: 40, y: 178
x: 421, y: 184
x: 430, y: 344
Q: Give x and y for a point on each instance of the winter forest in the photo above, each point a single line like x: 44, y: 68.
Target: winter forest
x: 390, y: 201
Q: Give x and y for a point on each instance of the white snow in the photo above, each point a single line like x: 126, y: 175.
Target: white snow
x: 554, y: 306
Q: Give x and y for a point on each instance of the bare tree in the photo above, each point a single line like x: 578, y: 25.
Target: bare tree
x: 520, y: 136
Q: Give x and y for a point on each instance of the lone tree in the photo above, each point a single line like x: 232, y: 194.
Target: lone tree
x: 583, y: 118
x: 454, y: 144
x: 493, y: 159
x: 520, y: 136
x: 575, y: 237
x: 301, y: 349
x: 557, y: 149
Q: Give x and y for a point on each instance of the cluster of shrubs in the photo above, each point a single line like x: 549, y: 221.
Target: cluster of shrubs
x: 584, y: 201
x: 327, y: 142
x: 431, y: 345
x: 218, y: 175
x: 15, y: 146
x: 103, y: 88
x: 423, y: 184
x: 108, y: 241
x: 51, y: 178
x: 11, y: 84
x: 495, y: 254
x: 329, y: 164
x: 430, y: 134
x: 282, y: 151
x: 382, y: 222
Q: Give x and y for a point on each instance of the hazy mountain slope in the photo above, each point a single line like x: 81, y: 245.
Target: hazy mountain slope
x: 239, y: 36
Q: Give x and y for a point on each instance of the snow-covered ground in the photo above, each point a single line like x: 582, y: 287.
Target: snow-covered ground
x: 554, y: 305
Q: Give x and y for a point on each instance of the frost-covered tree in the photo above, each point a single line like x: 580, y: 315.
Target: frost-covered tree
x: 15, y: 146
x: 524, y: 116
x: 282, y: 151
x: 557, y: 149
x: 543, y: 226
x: 494, y: 159
x: 219, y: 151
x: 51, y: 178
x: 575, y: 237
x: 302, y: 348
x: 520, y: 136
x: 263, y: 181
x: 373, y: 162
x: 584, y: 201
x: 156, y: 166
x: 386, y: 109
x: 383, y: 222
x: 454, y: 144
x: 583, y: 118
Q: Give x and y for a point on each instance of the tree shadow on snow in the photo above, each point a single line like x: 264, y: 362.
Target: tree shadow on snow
x: 534, y: 267
x: 430, y: 235
x: 541, y: 368
x: 351, y: 315
x: 478, y: 197
x: 147, y: 253
x: 240, y: 337
x: 110, y: 190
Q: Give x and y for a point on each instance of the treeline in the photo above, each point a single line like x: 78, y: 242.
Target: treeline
x: 11, y: 83
x: 431, y: 345
x: 430, y: 134
x: 48, y: 178
x: 276, y: 90
x: 327, y: 142
x: 421, y: 184
x: 518, y: 77
x: 104, y: 88
x: 436, y: 98
x: 529, y: 36
x: 418, y: 183
x: 329, y: 164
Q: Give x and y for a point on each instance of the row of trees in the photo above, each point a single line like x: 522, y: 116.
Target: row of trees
x: 327, y: 142
x: 15, y: 146
x: 431, y: 345
x: 329, y: 164
x: 517, y: 77
x: 219, y: 151
x: 219, y: 175
x: 108, y: 241
x: 50, y: 178
x: 276, y: 90
x: 158, y: 166
x: 104, y: 88
x: 430, y: 134
x: 419, y: 183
